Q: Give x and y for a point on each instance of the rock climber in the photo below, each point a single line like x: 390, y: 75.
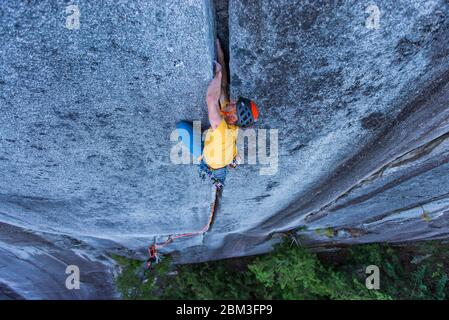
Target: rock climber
x: 219, y: 149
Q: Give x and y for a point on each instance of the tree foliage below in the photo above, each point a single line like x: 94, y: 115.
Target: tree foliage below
x: 292, y: 272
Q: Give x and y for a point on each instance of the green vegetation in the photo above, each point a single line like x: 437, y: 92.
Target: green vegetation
x: 292, y: 272
x: 408, y: 272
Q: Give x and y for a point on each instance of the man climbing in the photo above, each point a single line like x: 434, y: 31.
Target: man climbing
x: 219, y: 150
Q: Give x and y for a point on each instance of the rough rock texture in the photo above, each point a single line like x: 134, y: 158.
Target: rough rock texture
x: 33, y: 266
x: 86, y: 117
x: 362, y: 116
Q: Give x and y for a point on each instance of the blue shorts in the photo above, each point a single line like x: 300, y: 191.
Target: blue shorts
x: 192, y: 139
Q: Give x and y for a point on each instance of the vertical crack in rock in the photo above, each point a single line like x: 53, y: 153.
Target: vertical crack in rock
x: 86, y: 117
x: 222, y: 26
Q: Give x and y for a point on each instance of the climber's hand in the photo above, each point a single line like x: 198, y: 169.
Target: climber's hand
x: 220, y: 54
x: 218, y: 67
x: 238, y: 159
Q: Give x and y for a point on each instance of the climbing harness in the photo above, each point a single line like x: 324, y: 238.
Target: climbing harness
x: 154, y: 257
x: 234, y: 163
x: 217, y: 176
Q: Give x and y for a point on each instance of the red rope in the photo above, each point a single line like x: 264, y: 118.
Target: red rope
x: 153, y: 249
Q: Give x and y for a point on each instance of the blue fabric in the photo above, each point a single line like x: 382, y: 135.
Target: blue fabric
x: 214, y: 174
x: 192, y: 139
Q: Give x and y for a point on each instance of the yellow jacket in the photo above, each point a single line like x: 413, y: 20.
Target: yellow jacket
x: 220, y: 145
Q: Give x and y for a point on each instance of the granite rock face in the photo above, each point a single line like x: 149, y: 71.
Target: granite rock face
x: 360, y: 103
x: 86, y: 114
x: 355, y: 97
x: 37, y: 266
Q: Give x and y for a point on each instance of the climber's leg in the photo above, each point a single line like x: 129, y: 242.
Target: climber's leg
x: 191, y: 137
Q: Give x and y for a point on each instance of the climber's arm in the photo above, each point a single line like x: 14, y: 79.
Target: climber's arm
x: 213, y: 95
x: 224, y: 97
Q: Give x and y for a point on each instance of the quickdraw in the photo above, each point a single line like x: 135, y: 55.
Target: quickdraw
x: 154, y: 257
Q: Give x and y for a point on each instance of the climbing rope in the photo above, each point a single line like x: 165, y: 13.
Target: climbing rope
x: 153, y: 249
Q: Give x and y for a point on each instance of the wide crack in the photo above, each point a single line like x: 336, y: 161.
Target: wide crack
x: 222, y: 26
